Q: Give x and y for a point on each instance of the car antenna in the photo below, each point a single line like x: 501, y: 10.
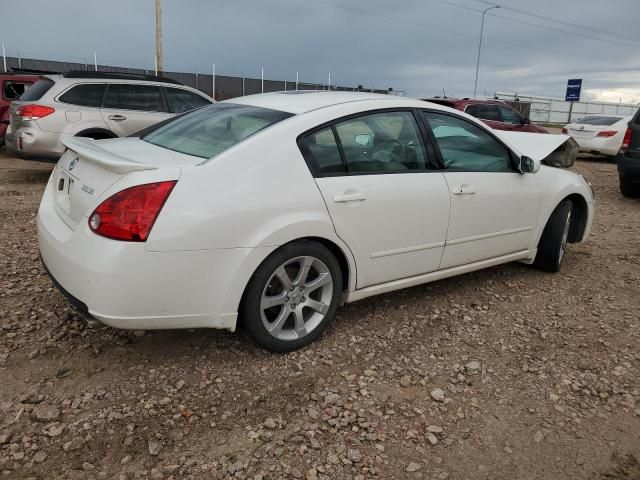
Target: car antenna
x: 444, y: 94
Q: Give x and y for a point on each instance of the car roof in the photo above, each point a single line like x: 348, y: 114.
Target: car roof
x: 303, y: 101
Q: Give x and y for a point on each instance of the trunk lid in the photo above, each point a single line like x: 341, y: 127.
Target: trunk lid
x: 89, y: 167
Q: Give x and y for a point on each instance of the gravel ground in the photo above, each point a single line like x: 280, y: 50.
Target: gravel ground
x: 507, y: 373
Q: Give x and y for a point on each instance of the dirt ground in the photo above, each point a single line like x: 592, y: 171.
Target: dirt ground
x: 507, y: 373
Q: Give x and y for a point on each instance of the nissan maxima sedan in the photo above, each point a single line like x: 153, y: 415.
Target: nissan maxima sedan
x: 599, y: 134
x: 270, y: 211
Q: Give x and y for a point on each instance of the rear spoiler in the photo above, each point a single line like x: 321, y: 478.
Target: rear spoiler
x: 90, y: 151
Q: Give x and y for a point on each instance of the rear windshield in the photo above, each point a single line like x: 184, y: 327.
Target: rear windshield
x: 598, y: 120
x: 210, y: 130
x: 38, y: 89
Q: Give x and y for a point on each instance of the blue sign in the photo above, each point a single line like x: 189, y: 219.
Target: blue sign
x: 573, y: 90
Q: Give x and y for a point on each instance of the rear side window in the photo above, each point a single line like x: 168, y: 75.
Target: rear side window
x: 180, y: 100
x: 211, y: 130
x: 38, y: 89
x: 322, y: 149
x: 13, y: 89
x: 485, y: 112
x: 509, y: 116
x: 147, y: 98
x: 88, y: 95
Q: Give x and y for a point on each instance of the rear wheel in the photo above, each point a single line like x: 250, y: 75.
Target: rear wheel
x: 555, y: 236
x: 628, y: 188
x: 292, y: 297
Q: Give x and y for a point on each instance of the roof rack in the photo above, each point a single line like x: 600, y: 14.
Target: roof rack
x: 32, y: 71
x: 119, y: 76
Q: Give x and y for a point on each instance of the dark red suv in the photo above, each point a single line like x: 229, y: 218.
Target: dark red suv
x: 494, y: 113
x: 11, y: 87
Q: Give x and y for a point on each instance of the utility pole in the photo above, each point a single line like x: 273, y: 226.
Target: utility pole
x: 159, y: 35
x: 475, y: 84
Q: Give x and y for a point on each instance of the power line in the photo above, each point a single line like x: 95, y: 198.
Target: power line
x: 563, y: 22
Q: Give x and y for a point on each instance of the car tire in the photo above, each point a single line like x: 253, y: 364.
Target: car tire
x: 628, y: 188
x: 552, y: 245
x: 292, y: 297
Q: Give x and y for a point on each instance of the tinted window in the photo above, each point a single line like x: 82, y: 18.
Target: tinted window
x: 183, y: 100
x: 382, y: 142
x: 322, y: 149
x: 509, y: 116
x: 38, y: 89
x: 89, y: 95
x: 12, y: 89
x: 598, y: 120
x: 465, y: 146
x: 211, y: 130
x: 484, y: 111
x: 134, y: 97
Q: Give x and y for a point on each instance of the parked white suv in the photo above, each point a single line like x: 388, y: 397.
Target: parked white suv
x: 97, y: 105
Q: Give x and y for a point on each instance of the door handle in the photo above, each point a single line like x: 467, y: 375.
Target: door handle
x: 117, y: 118
x: 464, y: 190
x: 350, y: 197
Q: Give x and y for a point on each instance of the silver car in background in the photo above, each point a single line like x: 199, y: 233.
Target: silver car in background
x: 97, y: 105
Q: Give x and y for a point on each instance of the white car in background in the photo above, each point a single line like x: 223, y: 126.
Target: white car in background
x: 599, y: 134
x: 271, y: 210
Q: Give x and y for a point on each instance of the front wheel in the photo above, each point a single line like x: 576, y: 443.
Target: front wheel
x: 292, y: 297
x: 555, y: 236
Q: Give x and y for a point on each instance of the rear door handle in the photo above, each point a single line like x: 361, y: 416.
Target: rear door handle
x: 350, y: 197
x: 117, y: 118
x: 464, y: 190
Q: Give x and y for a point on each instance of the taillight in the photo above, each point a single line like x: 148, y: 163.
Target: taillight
x: 565, y: 131
x: 130, y: 214
x: 607, y: 133
x: 32, y: 112
x: 626, y: 141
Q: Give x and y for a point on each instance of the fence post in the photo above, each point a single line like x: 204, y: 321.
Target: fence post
x: 262, y: 79
x: 243, y: 86
x: 95, y: 61
x: 213, y: 82
x: 297, y: 78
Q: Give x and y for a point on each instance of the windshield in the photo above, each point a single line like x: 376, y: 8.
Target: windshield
x: 598, y: 120
x: 210, y: 130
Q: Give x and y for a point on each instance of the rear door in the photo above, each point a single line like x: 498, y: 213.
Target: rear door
x: 386, y: 195
x: 128, y: 107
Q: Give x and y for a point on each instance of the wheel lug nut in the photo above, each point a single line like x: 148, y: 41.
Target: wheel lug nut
x: 293, y: 306
x: 303, y: 299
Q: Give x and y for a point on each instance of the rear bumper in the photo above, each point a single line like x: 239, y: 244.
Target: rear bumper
x: 32, y: 142
x: 602, y: 146
x: 125, y: 286
x: 628, y: 167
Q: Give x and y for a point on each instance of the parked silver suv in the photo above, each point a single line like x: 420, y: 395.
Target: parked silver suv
x: 92, y: 104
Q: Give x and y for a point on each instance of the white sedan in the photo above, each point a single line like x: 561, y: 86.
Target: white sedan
x: 269, y: 211
x: 599, y: 134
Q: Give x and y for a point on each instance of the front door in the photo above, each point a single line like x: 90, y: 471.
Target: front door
x: 128, y: 108
x: 387, y: 199
x: 494, y: 208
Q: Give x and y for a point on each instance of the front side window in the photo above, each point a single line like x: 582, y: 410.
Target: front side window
x: 465, y: 146
x: 147, y: 98
x: 382, y: 142
x: 181, y: 101
x: 210, y: 130
x: 510, y: 116
x: 13, y: 89
x: 87, y: 95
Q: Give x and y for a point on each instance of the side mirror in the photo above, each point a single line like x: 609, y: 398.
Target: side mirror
x: 525, y: 121
x: 528, y: 165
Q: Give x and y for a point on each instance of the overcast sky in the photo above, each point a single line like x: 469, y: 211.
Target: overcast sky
x: 418, y: 46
